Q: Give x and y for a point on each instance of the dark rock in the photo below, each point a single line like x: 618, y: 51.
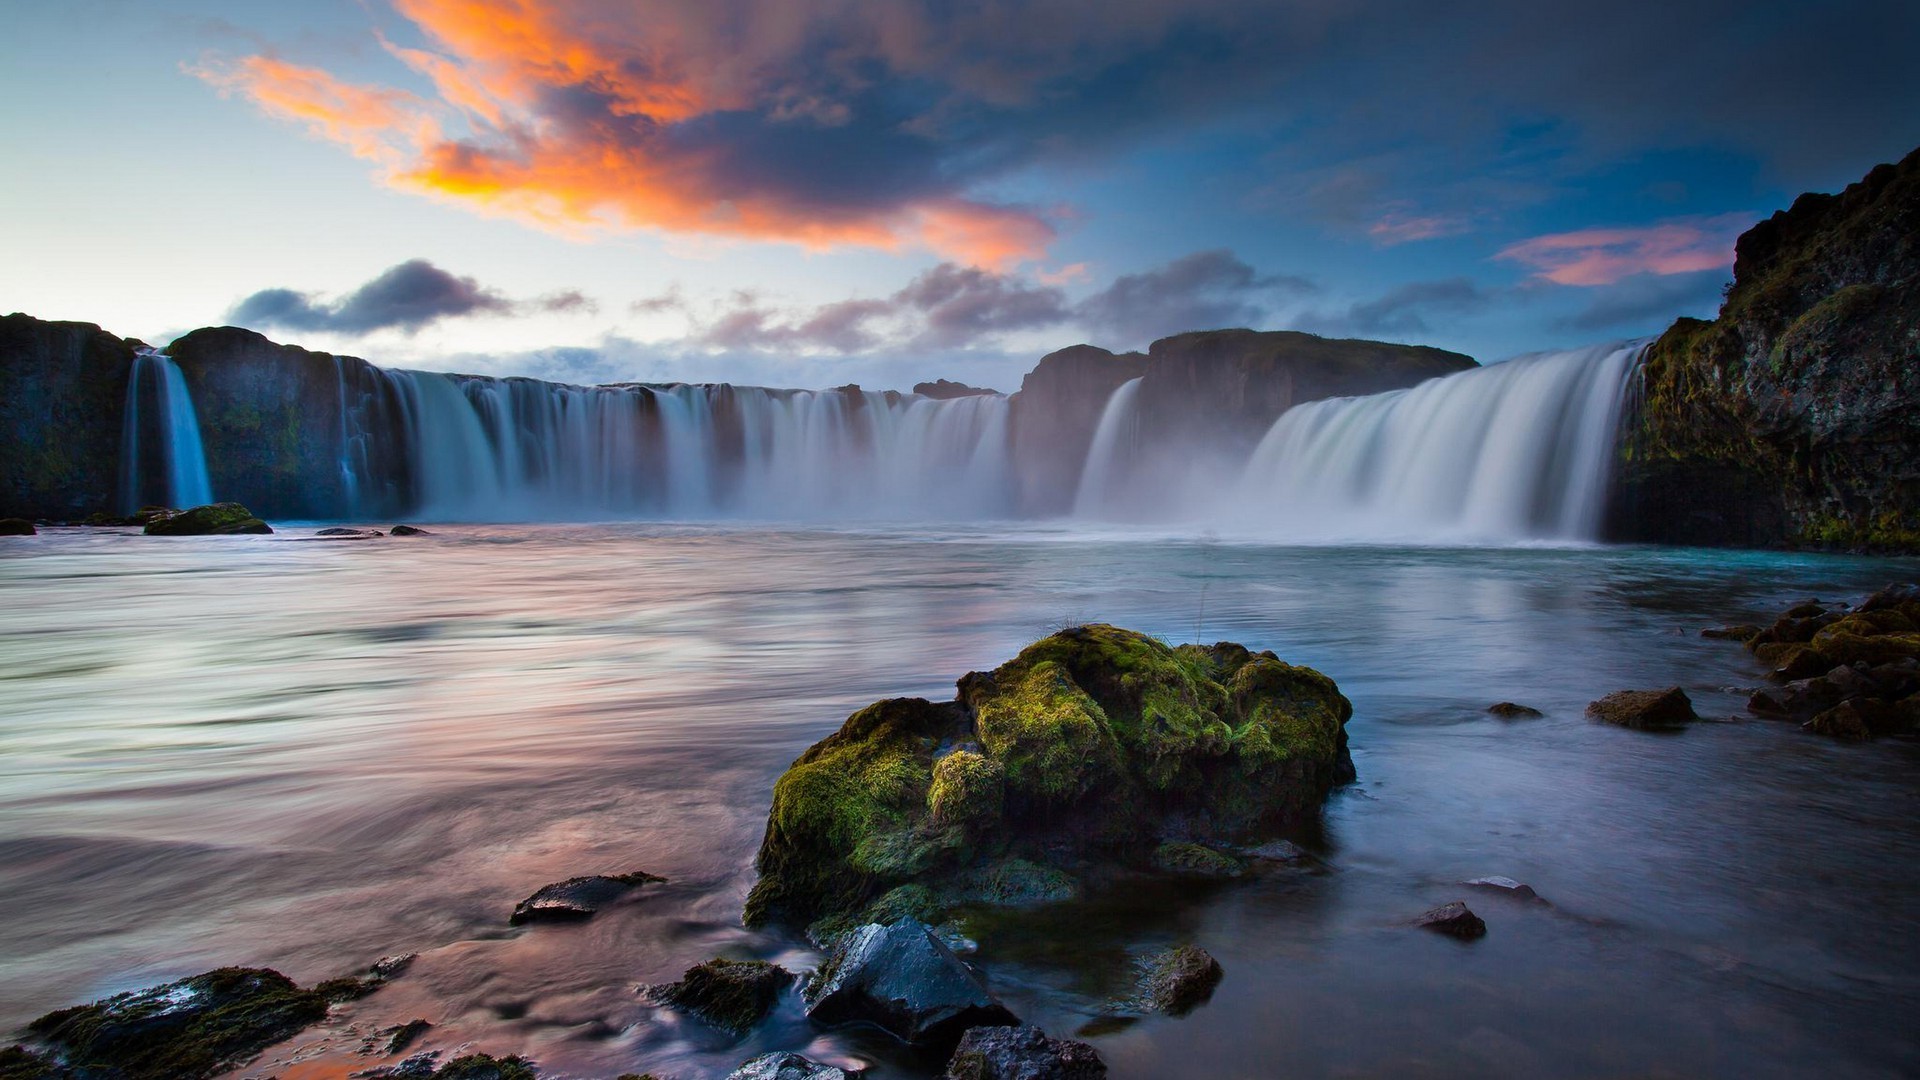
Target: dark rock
x: 1276, y: 851
x: 903, y: 979
x: 407, y: 530
x: 577, y: 898
x: 354, y: 987
x: 1808, y: 610
x: 1860, y: 718
x: 732, y: 995
x: 1791, y: 662
x: 1504, y: 886
x: 1195, y: 860
x: 16, y: 527
x: 1891, y: 598
x: 404, y: 1035
x: 1090, y: 749
x: 19, y: 1063
x: 219, y: 519
x: 1176, y: 981
x: 785, y: 1066
x: 184, y: 1030
x: 1022, y: 1053
x: 1453, y: 920
x: 1645, y: 709
x: 1793, y: 417
x: 340, y: 533
x: 943, y: 390
x: 63, y: 391
x: 1507, y: 710
x: 1801, y: 699
x: 1741, y: 632
x: 476, y: 1067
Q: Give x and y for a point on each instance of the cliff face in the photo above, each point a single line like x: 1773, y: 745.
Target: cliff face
x: 1793, y: 417
x: 63, y: 386
x: 1212, y: 393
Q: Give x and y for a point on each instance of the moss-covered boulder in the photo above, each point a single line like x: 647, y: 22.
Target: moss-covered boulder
x: 218, y: 519
x: 1086, y: 752
x: 732, y: 995
x: 192, y: 1028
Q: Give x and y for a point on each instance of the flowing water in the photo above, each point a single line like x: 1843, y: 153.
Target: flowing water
x: 272, y: 750
x: 162, y: 461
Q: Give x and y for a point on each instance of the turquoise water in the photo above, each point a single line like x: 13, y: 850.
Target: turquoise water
x: 309, y: 754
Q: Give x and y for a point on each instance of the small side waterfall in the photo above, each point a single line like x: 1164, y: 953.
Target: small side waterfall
x: 162, y: 461
x: 1512, y: 451
x: 1115, y: 442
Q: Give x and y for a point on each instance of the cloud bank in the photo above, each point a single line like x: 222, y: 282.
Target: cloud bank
x: 407, y: 298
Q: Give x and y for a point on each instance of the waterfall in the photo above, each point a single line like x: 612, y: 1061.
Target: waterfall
x: 1112, y: 450
x: 1512, y: 451
x: 162, y: 461
x: 480, y: 449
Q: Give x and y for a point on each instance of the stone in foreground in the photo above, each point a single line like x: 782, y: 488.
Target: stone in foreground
x: 785, y: 1066
x: 1076, y: 760
x: 1022, y: 1053
x: 904, y: 980
x: 1179, y: 980
x: 17, y: 527
x: 1454, y: 920
x: 578, y: 898
x: 1645, y: 710
x: 1508, y: 710
x: 184, y: 1030
x: 732, y: 995
x: 218, y: 519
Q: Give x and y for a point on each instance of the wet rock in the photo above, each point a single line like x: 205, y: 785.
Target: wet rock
x: 1504, y: 886
x: 1801, y: 699
x: 19, y: 1063
x: 1859, y: 718
x: 732, y: 995
x: 1809, y: 610
x: 1195, y: 860
x: 407, y: 530
x: 1891, y: 598
x: 577, y: 898
x: 1794, y: 661
x: 903, y: 979
x: 1741, y: 632
x: 1454, y: 920
x: 785, y: 1066
x: 359, y: 985
x: 1022, y: 1053
x: 1507, y: 710
x: 340, y: 533
x: 404, y: 1035
x: 16, y: 527
x: 1077, y: 753
x: 1277, y: 851
x: 184, y: 1030
x: 1645, y: 710
x: 1178, y: 980
x: 217, y: 519
x: 466, y: 1067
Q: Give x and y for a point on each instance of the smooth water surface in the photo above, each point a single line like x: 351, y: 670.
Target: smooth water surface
x: 307, y: 754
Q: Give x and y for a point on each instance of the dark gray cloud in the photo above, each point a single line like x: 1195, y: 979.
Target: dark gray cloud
x: 1404, y: 309
x: 1647, y: 303
x: 407, y: 297
x: 1204, y: 290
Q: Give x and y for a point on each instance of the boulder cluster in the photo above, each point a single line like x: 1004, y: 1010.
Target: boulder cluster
x: 1850, y: 672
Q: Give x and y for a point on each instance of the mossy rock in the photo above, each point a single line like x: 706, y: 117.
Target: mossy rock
x: 1084, y: 752
x: 192, y: 1028
x: 732, y: 995
x: 218, y: 519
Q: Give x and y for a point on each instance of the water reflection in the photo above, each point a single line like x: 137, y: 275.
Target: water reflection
x: 247, y: 750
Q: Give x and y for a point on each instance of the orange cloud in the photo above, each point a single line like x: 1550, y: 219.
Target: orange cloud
x: 1604, y: 256
x: 572, y: 115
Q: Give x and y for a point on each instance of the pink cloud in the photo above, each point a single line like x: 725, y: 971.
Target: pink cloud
x: 1604, y: 256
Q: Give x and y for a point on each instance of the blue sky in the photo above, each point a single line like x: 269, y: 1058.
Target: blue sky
x: 825, y: 191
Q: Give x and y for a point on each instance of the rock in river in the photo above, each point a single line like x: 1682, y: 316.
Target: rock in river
x: 218, y: 519
x: 1646, y: 710
x: 1022, y: 1053
x: 1176, y: 981
x: 903, y: 979
x: 732, y: 995
x: 1454, y: 920
x: 1087, y: 752
x: 785, y: 1066
x: 577, y: 898
x: 16, y: 527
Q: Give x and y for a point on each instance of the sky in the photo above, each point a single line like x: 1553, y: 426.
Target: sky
x: 817, y: 192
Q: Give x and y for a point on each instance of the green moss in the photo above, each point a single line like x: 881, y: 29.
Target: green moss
x: 1053, y: 740
x: 1016, y: 883
x: 732, y: 995
x: 486, y: 1067
x: 968, y: 791
x: 1180, y: 857
x: 183, y: 1030
x: 19, y: 1063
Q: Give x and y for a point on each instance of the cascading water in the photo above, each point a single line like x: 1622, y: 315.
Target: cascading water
x: 162, y: 461
x: 1111, y: 452
x: 1512, y: 451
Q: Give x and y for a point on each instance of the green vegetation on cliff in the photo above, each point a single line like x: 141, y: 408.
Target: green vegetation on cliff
x: 1089, y: 749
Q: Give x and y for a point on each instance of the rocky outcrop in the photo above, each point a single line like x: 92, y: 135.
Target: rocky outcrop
x: 1079, y: 758
x: 1793, y: 417
x: 1851, y: 673
x: 63, y: 386
x: 218, y: 519
x: 946, y: 390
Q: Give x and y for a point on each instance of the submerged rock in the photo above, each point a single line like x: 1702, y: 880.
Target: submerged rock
x: 732, y: 995
x: 341, y: 533
x: 184, y: 1030
x: 217, y: 519
x: 1507, y: 710
x: 17, y: 527
x: 577, y: 898
x: 1176, y: 981
x: 1454, y: 920
x: 407, y: 530
x: 1086, y: 753
x: 1505, y: 886
x: 785, y: 1066
x: 1645, y: 710
x: 904, y: 980
x: 1022, y: 1053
